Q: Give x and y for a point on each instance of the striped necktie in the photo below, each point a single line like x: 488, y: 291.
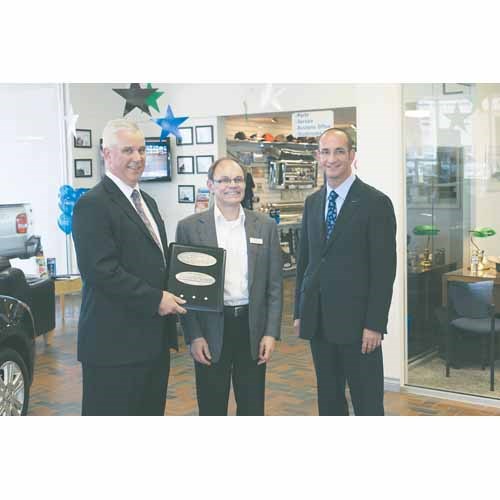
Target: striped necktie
x: 136, y: 198
x: 331, y: 215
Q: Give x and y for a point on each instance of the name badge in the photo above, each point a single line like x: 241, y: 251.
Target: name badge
x: 257, y: 241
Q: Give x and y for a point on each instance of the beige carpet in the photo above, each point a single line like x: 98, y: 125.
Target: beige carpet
x: 469, y: 379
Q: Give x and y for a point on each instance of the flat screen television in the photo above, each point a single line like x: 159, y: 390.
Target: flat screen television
x: 158, y: 160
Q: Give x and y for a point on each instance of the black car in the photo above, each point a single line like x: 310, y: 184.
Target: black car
x: 27, y: 309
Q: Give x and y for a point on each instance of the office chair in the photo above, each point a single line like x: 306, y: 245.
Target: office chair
x: 471, y: 310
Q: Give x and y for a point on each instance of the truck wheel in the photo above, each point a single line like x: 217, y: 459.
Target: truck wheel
x: 14, y: 384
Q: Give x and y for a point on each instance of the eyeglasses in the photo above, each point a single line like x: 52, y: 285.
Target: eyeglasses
x: 226, y: 181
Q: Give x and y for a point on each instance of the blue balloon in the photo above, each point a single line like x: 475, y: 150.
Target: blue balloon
x: 67, y: 206
x: 80, y: 192
x: 64, y: 190
x: 65, y: 224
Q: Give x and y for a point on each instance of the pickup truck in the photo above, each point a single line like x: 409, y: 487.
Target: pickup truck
x: 27, y: 309
x: 16, y: 231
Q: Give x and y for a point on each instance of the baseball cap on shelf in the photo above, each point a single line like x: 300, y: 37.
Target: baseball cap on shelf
x: 241, y: 136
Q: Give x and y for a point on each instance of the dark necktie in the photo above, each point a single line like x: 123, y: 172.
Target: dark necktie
x: 136, y: 198
x: 331, y: 215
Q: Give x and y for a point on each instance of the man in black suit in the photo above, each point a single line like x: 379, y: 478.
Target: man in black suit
x: 127, y: 319
x: 345, y: 274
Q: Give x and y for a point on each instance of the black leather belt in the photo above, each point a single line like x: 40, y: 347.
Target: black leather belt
x: 236, y: 311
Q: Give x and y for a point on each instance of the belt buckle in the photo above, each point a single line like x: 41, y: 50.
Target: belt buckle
x: 239, y: 311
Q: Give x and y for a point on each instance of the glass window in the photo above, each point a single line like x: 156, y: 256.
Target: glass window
x: 452, y: 148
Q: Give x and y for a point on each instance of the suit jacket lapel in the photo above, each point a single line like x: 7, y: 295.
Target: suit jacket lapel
x: 349, y: 208
x: 252, y: 230
x: 206, y: 228
x: 320, y: 217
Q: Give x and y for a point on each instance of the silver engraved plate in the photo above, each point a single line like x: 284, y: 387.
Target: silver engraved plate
x: 195, y: 279
x: 197, y: 259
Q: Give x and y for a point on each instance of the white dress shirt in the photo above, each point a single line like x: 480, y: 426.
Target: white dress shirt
x: 342, y: 191
x: 231, y: 236
x: 127, y: 191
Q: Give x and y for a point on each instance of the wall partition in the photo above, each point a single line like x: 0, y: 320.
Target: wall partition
x: 33, y: 141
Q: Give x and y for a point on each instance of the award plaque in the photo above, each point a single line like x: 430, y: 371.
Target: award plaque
x: 196, y: 274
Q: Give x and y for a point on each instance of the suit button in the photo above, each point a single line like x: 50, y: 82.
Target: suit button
x: 323, y: 260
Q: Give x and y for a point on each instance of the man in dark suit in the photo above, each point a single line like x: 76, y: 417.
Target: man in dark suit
x: 345, y: 274
x: 127, y: 319
x: 235, y: 345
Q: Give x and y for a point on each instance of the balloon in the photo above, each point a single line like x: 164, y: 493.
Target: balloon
x: 65, y: 224
x: 64, y: 190
x: 67, y: 206
x: 80, y: 192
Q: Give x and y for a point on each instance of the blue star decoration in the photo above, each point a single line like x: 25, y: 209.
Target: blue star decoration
x: 136, y: 97
x: 170, y: 124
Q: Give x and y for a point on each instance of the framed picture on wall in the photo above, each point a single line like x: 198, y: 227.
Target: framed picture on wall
x: 186, y: 194
x: 205, y: 134
x: 83, y: 138
x: 203, y: 163
x: 186, y: 138
x: 185, y: 165
x: 83, y: 167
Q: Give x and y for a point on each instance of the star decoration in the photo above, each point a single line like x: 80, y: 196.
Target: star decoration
x: 269, y: 97
x: 457, y: 119
x: 151, y: 101
x: 136, y: 97
x: 71, y: 120
x: 169, y: 124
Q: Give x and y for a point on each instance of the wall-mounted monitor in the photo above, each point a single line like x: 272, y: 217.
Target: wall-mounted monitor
x: 158, y: 160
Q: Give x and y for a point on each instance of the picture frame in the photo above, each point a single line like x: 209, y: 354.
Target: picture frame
x: 186, y: 136
x: 83, y: 167
x: 204, y: 134
x: 185, y: 194
x: 203, y: 163
x: 82, y: 138
x: 185, y: 165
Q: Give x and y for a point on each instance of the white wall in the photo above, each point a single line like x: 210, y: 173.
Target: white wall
x: 379, y: 146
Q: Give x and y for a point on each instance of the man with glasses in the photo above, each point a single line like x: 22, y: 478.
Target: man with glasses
x: 345, y: 274
x: 127, y: 318
x: 237, y: 344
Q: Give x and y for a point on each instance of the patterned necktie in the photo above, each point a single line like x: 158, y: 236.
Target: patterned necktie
x: 140, y: 210
x: 331, y: 215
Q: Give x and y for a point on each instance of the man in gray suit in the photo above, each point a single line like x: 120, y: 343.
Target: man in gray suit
x: 236, y: 344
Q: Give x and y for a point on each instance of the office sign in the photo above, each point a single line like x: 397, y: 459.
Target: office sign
x: 311, y: 123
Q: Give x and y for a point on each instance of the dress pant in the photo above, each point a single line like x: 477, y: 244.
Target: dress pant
x: 336, y: 363
x: 137, y: 389
x: 213, y: 382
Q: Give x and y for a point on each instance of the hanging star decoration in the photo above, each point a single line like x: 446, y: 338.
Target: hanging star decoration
x: 71, y: 120
x: 136, y: 97
x: 457, y: 119
x: 151, y: 101
x: 269, y: 97
x: 170, y: 124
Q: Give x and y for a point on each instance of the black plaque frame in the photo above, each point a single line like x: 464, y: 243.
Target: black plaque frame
x: 198, y: 298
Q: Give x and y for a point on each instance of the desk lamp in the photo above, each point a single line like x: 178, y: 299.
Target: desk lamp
x: 482, y: 232
x: 426, y: 230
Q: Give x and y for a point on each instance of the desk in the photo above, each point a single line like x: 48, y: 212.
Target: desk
x: 65, y: 286
x: 424, y: 298
x: 470, y: 277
